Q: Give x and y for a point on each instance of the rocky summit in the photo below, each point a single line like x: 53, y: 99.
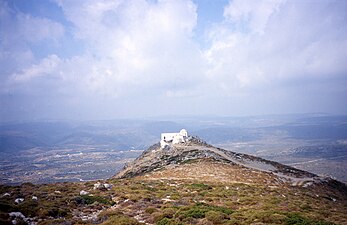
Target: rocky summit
x: 175, y: 161
x: 183, y: 183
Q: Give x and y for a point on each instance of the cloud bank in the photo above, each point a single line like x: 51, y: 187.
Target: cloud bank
x: 143, y: 58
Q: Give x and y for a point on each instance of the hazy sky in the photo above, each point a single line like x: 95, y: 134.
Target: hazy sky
x: 88, y: 59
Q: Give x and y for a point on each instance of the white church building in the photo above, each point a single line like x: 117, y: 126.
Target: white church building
x: 174, y: 138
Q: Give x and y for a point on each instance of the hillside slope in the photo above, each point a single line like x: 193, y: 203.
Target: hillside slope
x: 190, y: 183
x: 173, y: 156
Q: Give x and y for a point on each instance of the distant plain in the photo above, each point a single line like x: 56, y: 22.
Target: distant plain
x: 56, y: 151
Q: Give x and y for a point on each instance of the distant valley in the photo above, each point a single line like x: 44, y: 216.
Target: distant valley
x: 42, y: 152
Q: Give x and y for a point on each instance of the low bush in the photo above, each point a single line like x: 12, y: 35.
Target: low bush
x: 57, y: 212
x: 87, y: 199
x: 120, y: 219
x: 297, y: 219
x: 29, y: 208
x: 215, y: 217
x: 150, y: 210
x: 54, y: 222
x: 165, y: 213
x: 167, y: 221
x: 200, y: 186
x: 194, y: 213
x: 268, y: 217
x: 199, y: 210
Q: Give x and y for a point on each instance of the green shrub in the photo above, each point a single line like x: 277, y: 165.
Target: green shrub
x: 29, y: 208
x: 121, y: 219
x: 189, y: 161
x: 306, y: 207
x: 166, y: 213
x: 215, y: 217
x: 166, y: 221
x: 199, y: 210
x: 200, y: 186
x: 297, y: 219
x: 169, y: 212
x: 57, y: 212
x: 150, y: 210
x: 87, y: 199
x: 233, y: 221
x: 157, y: 216
x: 195, y: 213
x: 208, y: 207
x: 268, y: 217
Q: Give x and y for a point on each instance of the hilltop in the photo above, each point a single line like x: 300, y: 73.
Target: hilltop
x: 185, y: 183
x: 157, y: 161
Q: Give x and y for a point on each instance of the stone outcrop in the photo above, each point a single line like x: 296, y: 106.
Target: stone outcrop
x: 156, y: 158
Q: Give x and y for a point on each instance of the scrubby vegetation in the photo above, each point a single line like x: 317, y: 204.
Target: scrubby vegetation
x: 88, y: 199
x: 117, y: 217
x: 163, y: 201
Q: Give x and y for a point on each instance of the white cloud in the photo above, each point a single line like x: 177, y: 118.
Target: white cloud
x: 47, y: 67
x: 272, y: 44
x: 18, y: 32
x: 37, y: 29
x: 251, y: 15
x: 137, y: 53
x: 18, y: 28
x: 136, y: 44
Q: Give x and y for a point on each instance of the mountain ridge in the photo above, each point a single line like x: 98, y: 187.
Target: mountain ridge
x: 192, y: 161
x: 155, y: 158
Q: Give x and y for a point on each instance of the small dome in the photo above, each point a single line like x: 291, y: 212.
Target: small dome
x: 184, y: 132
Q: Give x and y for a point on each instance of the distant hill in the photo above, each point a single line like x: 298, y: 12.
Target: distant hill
x: 298, y: 139
x: 127, y: 134
x: 24, y: 136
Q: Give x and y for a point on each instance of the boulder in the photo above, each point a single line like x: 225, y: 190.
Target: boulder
x: 98, y: 186
x: 108, y: 186
x: 19, y: 200
x: 84, y: 192
x: 16, y: 214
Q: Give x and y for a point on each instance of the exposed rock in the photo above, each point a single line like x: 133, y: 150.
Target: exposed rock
x: 100, y: 186
x: 126, y: 203
x: 84, y: 192
x: 6, y: 194
x: 155, y: 159
x: 108, y: 186
x: 19, y: 200
x: 18, y: 217
x: 167, y: 199
x: 87, y: 215
x: 16, y: 214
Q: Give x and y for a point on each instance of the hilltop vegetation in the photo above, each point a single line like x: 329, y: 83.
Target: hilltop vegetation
x: 162, y: 201
x: 191, y: 183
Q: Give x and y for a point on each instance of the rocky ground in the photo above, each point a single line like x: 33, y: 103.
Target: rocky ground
x: 156, y: 158
x: 193, y: 183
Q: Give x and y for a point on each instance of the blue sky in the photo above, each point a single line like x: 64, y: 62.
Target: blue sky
x: 70, y: 59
